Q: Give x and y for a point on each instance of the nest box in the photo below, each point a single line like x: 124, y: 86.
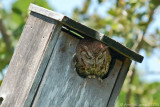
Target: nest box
x: 42, y: 72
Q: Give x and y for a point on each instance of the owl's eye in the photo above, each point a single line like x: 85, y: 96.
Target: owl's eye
x: 88, y: 57
x: 100, y: 55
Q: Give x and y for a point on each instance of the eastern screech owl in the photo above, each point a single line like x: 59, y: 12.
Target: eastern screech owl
x: 92, y: 58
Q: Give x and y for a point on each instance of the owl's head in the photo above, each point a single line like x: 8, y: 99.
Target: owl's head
x: 93, y: 54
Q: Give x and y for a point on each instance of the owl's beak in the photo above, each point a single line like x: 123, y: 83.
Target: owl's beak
x: 94, y: 65
x: 101, y: 46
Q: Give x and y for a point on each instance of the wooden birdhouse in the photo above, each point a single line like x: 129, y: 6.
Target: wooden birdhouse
x: 59, y: 62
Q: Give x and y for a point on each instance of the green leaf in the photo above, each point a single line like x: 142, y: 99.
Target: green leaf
x: 21, y: 6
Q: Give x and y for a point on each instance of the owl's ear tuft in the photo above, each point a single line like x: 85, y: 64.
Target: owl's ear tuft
x: 84, y: 47
x: 105, y: 48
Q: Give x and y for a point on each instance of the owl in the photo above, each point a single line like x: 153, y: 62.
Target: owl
x: 92, y: 58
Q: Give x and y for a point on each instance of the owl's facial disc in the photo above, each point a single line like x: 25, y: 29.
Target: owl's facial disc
x: 93, y: 58
x: 100, y: 59
x: 88, y: 59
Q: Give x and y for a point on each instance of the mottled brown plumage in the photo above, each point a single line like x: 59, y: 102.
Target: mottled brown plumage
x: 93, y: 58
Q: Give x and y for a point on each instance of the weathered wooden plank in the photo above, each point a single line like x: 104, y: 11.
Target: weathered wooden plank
x: 27, y: 58
x: 119, y: 82
x: 44, y: 63
x: 63, y: 87
x: 46, y: 12
x: 84, y: 30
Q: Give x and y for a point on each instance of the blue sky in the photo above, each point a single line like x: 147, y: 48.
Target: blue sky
x: 151, y: 64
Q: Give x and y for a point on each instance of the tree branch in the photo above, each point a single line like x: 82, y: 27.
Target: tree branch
x: 136, y: 47
x: 138, y: 41
x: 151, y: 43
x: 5, y: 36
x: 142, y: 38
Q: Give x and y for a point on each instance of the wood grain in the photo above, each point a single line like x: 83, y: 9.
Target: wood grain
x: 27, y: 58
x: 63, y: 87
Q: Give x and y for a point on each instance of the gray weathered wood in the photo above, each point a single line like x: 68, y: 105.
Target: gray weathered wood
x: 78, y: 27
x: 54, y: 37
x: 46, y: 12
x: 63, y: 87
x: 119, y: 82
x: 29, y: 55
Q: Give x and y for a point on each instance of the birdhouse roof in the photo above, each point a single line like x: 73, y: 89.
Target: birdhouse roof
x: 84, y: 30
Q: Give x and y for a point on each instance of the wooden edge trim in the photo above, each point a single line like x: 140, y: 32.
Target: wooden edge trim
x: 119, y: 82
x: 46, y: 12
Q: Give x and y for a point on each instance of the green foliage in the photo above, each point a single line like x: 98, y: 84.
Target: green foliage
x: 126, y: 19
x: 143, y: 93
